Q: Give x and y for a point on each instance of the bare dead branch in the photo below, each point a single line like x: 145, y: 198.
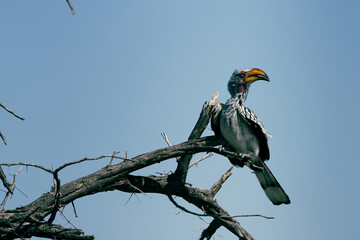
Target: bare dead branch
x: 5, y: 181
x: 116, y: 177
x: 181, y: 171
x: 56, y: 232
x: 185, y: 210
x: 26, y: 218
x: 203, y: 120
x: 112, y: 156
x: 27, y: 164
x: 166, y: 139
x: 216, y: 187
x: 10, y: 191
x: 4, y: 138
x: 198, y: 197
x: 56, y: 198
x: 65, y: 165
x: 210, y: 230
x: 28, y: 221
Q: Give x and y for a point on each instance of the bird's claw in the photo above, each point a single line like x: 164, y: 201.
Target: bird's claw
x: 221, y: 148
x: 245, y: 157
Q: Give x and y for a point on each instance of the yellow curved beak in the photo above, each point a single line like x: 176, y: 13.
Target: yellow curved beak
x: 256, y: 74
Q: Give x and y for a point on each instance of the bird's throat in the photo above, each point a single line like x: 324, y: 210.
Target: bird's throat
x: 241, y: 88
x: 241, y: 93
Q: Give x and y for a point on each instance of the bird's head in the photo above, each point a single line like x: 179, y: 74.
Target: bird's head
x: 241, y: 80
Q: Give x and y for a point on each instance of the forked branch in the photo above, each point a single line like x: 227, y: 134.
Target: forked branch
x: 30, y: 221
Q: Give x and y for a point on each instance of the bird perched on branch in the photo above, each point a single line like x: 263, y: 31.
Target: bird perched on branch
x: 244, y: 133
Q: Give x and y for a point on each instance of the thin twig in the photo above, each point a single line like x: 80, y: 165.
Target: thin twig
x: 140, y: 190
x: 165, y: 137
x: 27, y: 164
x: 203, y: 158
x: 11, y: 112
x: 185, y: 210
x: 252, y: 215
x: 71, y: 8
x: 62, y: 213
x: 137, y: 197
x: 90, y: 159
x: 201, y: 228
x: 12, y: 189
x: 21, y: 192
x: 65, y: 165
x: 73, y: 205
x: 112, y: 158
x: 129, y: 198
x: 4, y: 138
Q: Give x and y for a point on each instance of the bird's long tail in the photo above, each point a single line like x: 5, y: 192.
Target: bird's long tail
x: 271, y: 186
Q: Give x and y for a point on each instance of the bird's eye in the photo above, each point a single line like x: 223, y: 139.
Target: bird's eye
x: 241, y: 74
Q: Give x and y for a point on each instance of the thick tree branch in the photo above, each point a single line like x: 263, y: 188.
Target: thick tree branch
x: 183, y: 164
x: 45, y: 231
x: 29, y: 220
x: 210, y: 230
x: 201, y: 198
x: 117, y: 177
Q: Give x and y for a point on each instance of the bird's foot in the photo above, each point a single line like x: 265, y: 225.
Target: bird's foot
x: 221, y: 148
x: 243, y: 159
x: 246, y: 159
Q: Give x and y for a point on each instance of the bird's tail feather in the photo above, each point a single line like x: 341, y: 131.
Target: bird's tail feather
x: 271, y: 186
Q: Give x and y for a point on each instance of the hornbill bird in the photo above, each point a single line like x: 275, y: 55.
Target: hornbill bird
x: 244, y: 133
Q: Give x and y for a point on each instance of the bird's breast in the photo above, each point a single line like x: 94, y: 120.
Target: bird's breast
x: 237, y: 132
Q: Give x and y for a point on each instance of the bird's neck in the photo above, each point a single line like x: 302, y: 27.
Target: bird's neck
x: 241, y: 97
x: 236, y: 102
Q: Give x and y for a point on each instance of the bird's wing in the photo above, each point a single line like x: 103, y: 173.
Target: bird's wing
x: 259, y: 130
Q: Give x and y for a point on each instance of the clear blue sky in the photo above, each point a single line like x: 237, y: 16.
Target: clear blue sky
x: 118, y: 73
